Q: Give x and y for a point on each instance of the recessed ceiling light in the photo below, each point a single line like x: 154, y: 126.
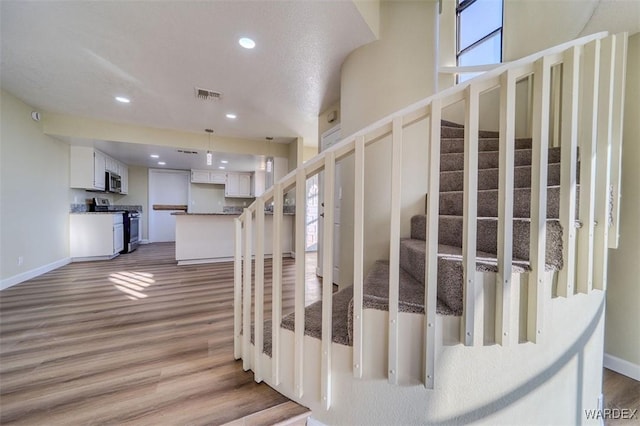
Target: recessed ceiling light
x: 154, y: 156
x: 232, y: 116
x: 123, y: 99
x: 247, y: 43
x: 221, y: 167
x: 224, y: 161
x: 161, y: 163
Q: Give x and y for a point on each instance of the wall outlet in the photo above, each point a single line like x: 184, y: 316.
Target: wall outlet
x: 20, y: 260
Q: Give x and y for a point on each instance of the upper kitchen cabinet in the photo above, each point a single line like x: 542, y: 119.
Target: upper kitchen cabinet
x: 238, y: 185
x: 88, y: 168
x: 124, y: 176
x: 208, y: 176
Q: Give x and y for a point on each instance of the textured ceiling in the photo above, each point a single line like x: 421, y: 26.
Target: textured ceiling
x: 73, y: 57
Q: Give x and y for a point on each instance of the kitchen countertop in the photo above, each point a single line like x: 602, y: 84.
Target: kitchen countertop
x: 221, y: 214
x: 205, y: 214
x: 109, y: 212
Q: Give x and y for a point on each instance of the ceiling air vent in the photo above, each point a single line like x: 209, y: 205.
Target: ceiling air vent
x: 186, y: 151
x: 207, y: 95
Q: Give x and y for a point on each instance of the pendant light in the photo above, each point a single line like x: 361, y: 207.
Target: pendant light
x: 269, y: 161
x: 209, y: 153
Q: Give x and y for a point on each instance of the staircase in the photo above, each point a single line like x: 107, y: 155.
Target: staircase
x: 450, y: 269
x: 485, y: 277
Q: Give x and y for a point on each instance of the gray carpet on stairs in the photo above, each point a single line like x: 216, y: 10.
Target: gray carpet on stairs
x: 450, y: 230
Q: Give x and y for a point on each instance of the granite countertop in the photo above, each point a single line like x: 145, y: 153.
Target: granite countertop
x: 205, y: 214
x: 223, y: 214
x: 109, y: 212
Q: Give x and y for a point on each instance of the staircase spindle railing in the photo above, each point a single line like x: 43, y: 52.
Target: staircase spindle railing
x: 472, y: 311
x: 358, y: 254
x: 603, y: 161
x: 588, y: 134
x: 503, y: 322
x: 619, y: 82
x: 539, y: 166
x: 276, y: 280
x: 590, y: 104
x: 569, y: 166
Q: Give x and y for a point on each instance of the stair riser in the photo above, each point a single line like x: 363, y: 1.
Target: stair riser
x: 490, y: 159
x: 448, y: 146
x: 412, y: 261
x: 451, y: 230
x: 458, y: 132
x: 488, y: 178
x: 452, y: 203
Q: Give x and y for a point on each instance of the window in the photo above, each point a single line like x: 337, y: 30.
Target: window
x: 479, y: 40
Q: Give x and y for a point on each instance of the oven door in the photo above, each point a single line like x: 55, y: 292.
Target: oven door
x: 134, y: 230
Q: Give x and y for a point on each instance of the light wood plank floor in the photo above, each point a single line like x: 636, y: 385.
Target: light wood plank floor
x: 140, y: 340
x: 135, y: 340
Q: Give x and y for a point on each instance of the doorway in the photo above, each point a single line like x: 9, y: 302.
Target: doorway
x: 168, y: 193
x: 328, y: 139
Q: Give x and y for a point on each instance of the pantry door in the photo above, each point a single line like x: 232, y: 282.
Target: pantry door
x: 166, y: 188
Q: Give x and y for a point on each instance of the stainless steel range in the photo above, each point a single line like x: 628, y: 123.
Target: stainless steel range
x: 131, y: 231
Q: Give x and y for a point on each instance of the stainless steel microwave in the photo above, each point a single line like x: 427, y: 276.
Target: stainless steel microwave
x: 113, y: 182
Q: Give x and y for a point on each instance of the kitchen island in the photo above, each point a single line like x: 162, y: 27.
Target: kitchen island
x: 209, y: 237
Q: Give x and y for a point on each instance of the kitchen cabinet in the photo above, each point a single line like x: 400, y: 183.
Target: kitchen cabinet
x: 124, y: 178
x: 95, y: 236
x: 238, y: 185
x: 112, y: 165
x: 87, y: 168
x: 208, y: 176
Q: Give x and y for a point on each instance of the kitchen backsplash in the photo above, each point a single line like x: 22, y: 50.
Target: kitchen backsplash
x: 79, y: 208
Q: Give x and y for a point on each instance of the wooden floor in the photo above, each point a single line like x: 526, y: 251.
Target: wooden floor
x: 134, y: 340
x: 622, y: 393
x: 140, y: 340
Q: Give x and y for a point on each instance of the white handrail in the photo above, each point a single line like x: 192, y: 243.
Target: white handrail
x: 591, y: 109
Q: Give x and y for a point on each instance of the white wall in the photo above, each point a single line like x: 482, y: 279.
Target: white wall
x: 378, y: 79
x: 622, y: 333
x: 34, y: 189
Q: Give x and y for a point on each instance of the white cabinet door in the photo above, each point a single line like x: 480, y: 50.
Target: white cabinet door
x: 118, y: 238
x: 217, y: 177
x: 231, y: 185
x: 124, y: 176
x: 238, y: 185
x: 200, y: 176
x: 93, y: 235
x: 99, y: 169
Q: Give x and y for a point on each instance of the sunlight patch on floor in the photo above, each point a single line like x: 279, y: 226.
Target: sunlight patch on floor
x: 132, y: 284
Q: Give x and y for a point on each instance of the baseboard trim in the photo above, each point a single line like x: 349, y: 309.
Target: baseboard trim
x: 622, y: 366
x: 183, y: 262
x: 17, y: 279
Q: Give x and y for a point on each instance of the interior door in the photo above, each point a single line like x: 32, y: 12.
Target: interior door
x: 328, y: 139
x: 166, y: 188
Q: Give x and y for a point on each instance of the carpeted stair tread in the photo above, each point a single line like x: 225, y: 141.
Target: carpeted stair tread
x: 453, y: 180
x: 313, y: 318
x: 450, y: 270
x: 451, y: 202
x: 313, y: 321
x: 490, y: 159
x: 452, y: 145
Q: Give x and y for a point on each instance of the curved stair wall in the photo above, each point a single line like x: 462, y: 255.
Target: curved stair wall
x: 496, y: 279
